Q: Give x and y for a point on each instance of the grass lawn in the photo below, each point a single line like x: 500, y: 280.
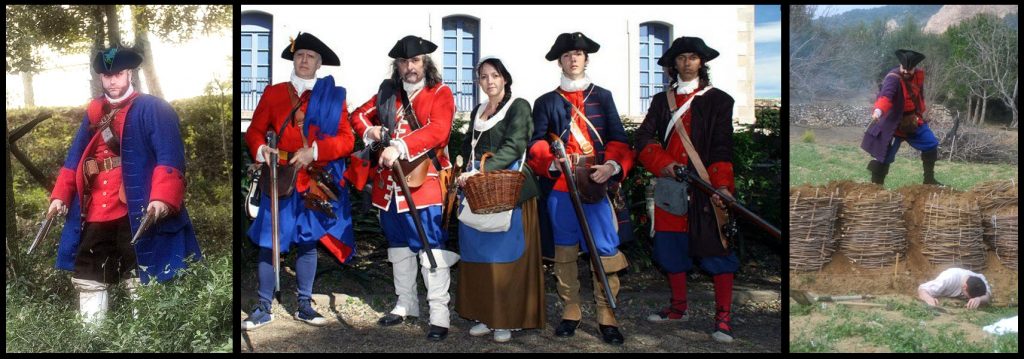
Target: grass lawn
x: 817, y: 164
x: 909, y: 327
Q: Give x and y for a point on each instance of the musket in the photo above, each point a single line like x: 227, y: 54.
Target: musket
x: 684, y: 175
x: 147, y: 221
x: 274, y: 220
x: 45, y: 229
x: 399, y: 176
x: 570, y: 180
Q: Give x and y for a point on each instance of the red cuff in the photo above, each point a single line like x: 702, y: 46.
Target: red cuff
x: 540, y: 158
x: 168, y: 186
x: 621, y: 153
x: 883, y: 103
x: 65, y: 186
x: 339, y: 249
x: 721, y: 176
x: 654, y: 158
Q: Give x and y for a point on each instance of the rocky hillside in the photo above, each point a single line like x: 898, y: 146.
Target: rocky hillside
x: 951, y: 15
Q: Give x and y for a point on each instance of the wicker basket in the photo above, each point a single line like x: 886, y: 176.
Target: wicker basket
x: 495, y: 191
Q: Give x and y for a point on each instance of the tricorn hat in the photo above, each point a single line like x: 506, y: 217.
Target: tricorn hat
x: 909, y: 58
x: 411, y: 46
x: 115, y: 59
x: 571, y: 41
x: 309, y: 42
x: 687, y: 44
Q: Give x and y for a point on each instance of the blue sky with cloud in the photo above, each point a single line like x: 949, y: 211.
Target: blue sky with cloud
x: 767, y: 51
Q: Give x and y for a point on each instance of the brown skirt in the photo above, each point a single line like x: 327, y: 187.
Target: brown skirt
x: 506, y: 295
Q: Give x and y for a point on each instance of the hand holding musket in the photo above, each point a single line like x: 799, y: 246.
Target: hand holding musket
x: 45, y: 228
x: 683, y: 175
x: 559, y: 151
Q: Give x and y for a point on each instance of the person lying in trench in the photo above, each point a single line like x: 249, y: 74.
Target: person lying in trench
x: 957, y: 283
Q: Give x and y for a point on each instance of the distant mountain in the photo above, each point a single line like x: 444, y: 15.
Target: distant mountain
x: 920, y: 13
x: 931, y: 18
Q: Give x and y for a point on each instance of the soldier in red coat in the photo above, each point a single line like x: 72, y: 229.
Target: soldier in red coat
x: 684, y: 223
x: 414, y: 110
x: 309, y: 117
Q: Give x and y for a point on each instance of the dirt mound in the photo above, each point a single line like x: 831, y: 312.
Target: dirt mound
x: 841, y: 276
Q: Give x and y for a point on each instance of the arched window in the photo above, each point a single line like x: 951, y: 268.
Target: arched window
x: 653, y: 39
x: 461, y: 43
x: 255, y: 56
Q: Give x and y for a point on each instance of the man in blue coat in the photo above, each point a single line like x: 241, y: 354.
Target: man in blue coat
x: 127, y: 159
x: 898, y: 117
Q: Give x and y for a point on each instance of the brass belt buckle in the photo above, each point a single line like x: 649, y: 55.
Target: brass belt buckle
x: 108, y: 163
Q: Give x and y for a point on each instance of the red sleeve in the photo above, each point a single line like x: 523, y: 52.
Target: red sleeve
x: 721, y: 176
x: 168, y: 186
x: 340, y: 145
x: 883, y: 103
x: 65, y: 186
x: 364, y: 117
x: 654, y: 158
x: 255, y: 135
x: 434, y: 133
x: 540, y: 158
x: 621, y: 153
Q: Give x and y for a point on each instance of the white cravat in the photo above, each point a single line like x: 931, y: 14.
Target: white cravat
x: 114, y: 101
x: 570, y: 85
x: 301, y: 84
x: 411, y: 88
x: 686, y: 87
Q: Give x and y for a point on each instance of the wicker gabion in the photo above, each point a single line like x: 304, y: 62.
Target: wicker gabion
x: 953, y: 232
x: 812, y: 219
x: 1003, y: 229
x: 995, y: 198
x: 873, y: 229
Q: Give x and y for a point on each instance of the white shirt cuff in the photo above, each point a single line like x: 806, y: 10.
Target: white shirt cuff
x: 366, y: 136
x: 618, y: 168
x: 259, y: 154
x: 315, y: 152
x: 878, y: 112
x: 403, y: 150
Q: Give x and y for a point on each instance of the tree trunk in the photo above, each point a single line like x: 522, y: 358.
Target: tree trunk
x: 12, y: 225
x: 96, y: 87
x: 30, y: 95
x: 142, y: 45
x: 113, y: 25
x: 984, y: 107
x: 970, y: 102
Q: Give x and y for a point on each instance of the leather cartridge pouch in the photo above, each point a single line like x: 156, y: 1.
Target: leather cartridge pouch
x: 908, y: 123
x: 286, y: 175
x: 415, y: 171
x: 670, y: 195
x: 590, y: 192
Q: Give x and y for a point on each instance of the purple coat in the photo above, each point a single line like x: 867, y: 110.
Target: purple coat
x: 878, y: 136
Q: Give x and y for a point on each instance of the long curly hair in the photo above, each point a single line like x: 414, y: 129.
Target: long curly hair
x: 431, y: 74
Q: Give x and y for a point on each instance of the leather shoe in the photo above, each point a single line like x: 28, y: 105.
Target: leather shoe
x: 611, y: 335
x: 390, y: 319
x: 437, y: 333
x: 567, y: 328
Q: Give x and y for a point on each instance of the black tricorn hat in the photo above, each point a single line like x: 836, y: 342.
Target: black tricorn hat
x: 411, y: 46
x: 115, y: 59
x: 909, y: 58
x: 309, y: 42
x: 687, y: 44
x: 571, y: 41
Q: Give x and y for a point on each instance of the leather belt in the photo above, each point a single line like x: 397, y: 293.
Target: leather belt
x: 93, y: 166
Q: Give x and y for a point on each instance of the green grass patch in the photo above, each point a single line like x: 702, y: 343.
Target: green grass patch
x: 191, y: 313
x: 819, y: 164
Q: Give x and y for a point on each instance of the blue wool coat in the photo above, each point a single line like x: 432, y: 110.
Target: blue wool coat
x: 151, y: 147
